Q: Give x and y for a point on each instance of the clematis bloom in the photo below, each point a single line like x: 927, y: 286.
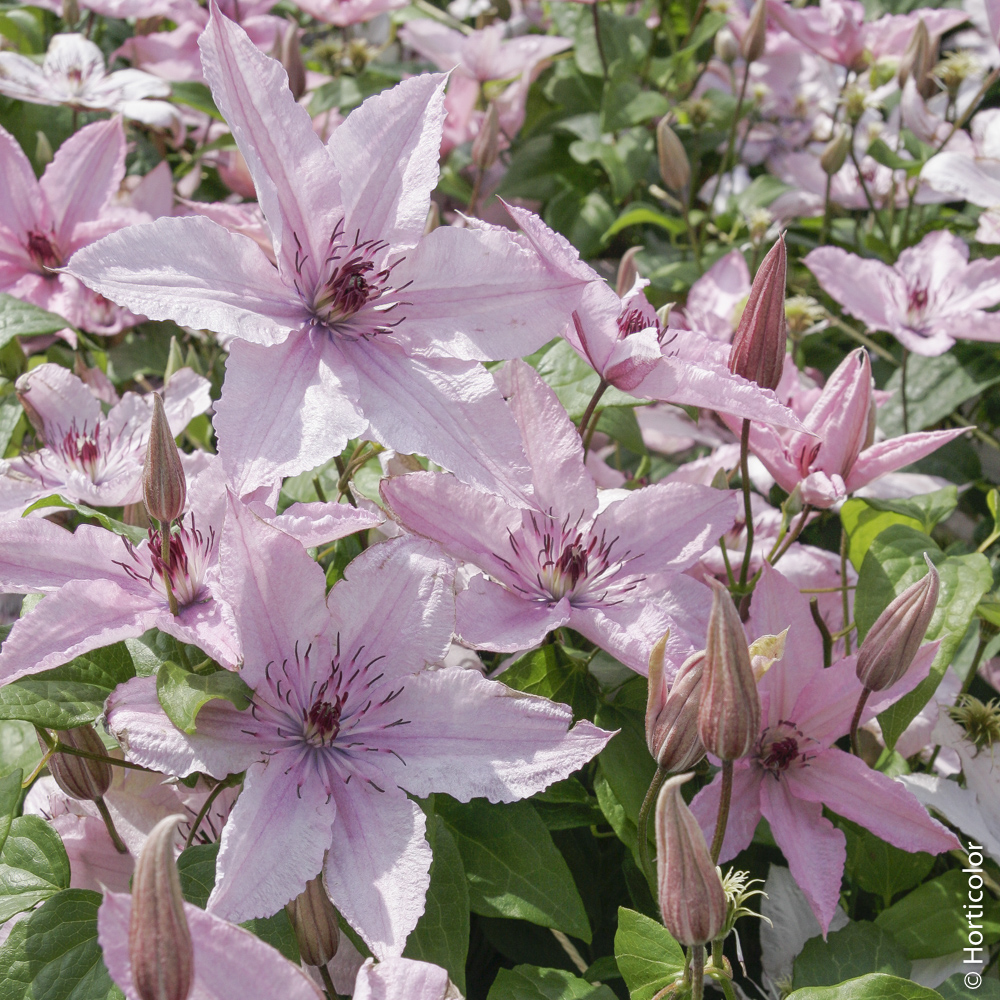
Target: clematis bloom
x: 366, y: 325
x: 345, y: 717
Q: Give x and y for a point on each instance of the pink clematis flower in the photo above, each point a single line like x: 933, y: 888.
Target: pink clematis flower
x: 345, y: 717
x: 715, y: 301
x: 624, y: 341
x: 478, y: 58
x: 404, y: 979
x: 609, y: 565
x: 930, y: 297
x: 73, y: 73
x: 365, y: 325
x: 101, y: 587
x: 837, y: 455
x: 42, y: 223
x: 795, y: 769
x: 86, y: 455
x: 229, y: 962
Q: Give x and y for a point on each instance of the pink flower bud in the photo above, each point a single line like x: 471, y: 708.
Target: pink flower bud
x: 80, y: 777
x: 159, y: 941
x: 675, y: 168
x: 164, y: 487
x: 314, y: 921
x: 692, y: 900
x: 729, y: 710
x: 892, y: 642
x: 758, y: 351
x: 486, y: 145
x: 672, y: 719
x: 755, y: 37
x: 290, y: 56
x: 627, y: 272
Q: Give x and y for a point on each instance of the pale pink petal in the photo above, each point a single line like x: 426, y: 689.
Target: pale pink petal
x: 434, y: 41
x: 387, y: 154
x: 814, y: 849
x: 744, y: 808
x: 449, y: 410
x: 293, y: 172
x: 983, y: 326
x: 931, y: 342
x: 960, y: 175
x: 822, y: 490
x: 490, y: 617
x: 633, y: 358
x: 229, y: 963
x: 401, y: 978
x: 83, y: 175
x: 471, y: 737
x: 275, y: 839
x: 865, y: 288
x: 396, y: 603
x: 195, y: 272
x: 185, y: 395
x: 551, y: 443
x: 893, y: 454
x: 319, y: 523
x: 276, y: 586
x: 480, y: 294
x: 220, y: 747
x: 848, y: 786
x: 94, y: 862
x: 59, y: 398
x: 23, y: 207
x: 378, y: 868
x: 285, y: 409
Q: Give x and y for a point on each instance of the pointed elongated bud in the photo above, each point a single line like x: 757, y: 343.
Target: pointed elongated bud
x: 627, y: 272
x: 672, y: 717
x: 915, y: 60
x: 692, y: 899
x: 758, y: 351
x: 314, y: 921
x: 175, y: 360
x: 729, y: 708
x: 164, y: 487
x: 675, y: 167
x: 834, y: 156
x: 290, y: 56
x: 70, y: 11
x: 80, y: 777
x: 159, y: 940
x: 486, y: 145
x: 755, y: 37
x: 727, y: 48
x: 43, y: 149
x: 892, y: 642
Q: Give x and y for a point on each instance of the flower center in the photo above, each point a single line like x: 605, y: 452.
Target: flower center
x: 322, y: 722
x: 916, y: 306
x: 635, y: 320
x: 188, y: 557
x: 781, y: 746
x: 42, y: 250
x: 82, y: 451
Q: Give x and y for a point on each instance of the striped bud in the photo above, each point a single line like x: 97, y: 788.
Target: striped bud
x: 486, y: 145
x: 164, y: 487
x: 290, y: 56
x: 672, y: 718
x: 627, y: 272
x: 159, y: 941
x: 892, y: 642
x: 80, y: 777
x: 675, y: 167
x: 314, y: 921
x: 834, y: 155
x: 758, y: 351
x: 729, y: 709
x: 755, y: 37
x: 692, y: 900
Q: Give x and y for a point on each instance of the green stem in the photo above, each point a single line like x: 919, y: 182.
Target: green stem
x: 747, y: 505
x: 731, y: 142
x: 642, y: 825
x: 844, y: 599
x: 868, y: 196
x: 203, y: 812
x: 165, y: 556
x: 824, y: 232
x: 856, y: 721
x: 861, y: 338
x: 823, y: 631
x: 725, y: 797
x: 587, y: 432
x: 331, y: 991
x: 902, y: 392
x: 113, y: 761
x: 600, y: 44
x: 973, y: 104
x: 974, y: 667
x: 697, y: 956
x: 793, y: 535
x: 110, y: 824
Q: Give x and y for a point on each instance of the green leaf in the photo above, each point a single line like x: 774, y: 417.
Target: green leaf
x: 864, y: 523
x: 582, y: 216
x: 19, y: 749
x: 929, y: 922
x: 196, y: 867
x: 276, y: 931
x: 936, y: 386
x: 855, y: 950
x: 512, y: 866
x: 33, y: 865
x: 881, y: 152
x: 621, y: 424
x: 928, y: 508
x: 573, y: 380
x: 614, y: 813
x: 648, y: 957
x: 893, y: 562
x: 527, y: 982
x: 566, y: 805
x: 550, y: 672
x: 70, y: 695
x: 56, y: 956
x: 761, y: 192
x: 21, y: 319
x: 195, y: 95
x: 129, y: 531
x: 605, y: 154
x: 10, y: 798
x: 874, y: 987
x: 10, y: 416
x: 955, y: 988
x: 879, y: 867
x: 442, y: 933
x: 182, y: 694
x: 642, y: 215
